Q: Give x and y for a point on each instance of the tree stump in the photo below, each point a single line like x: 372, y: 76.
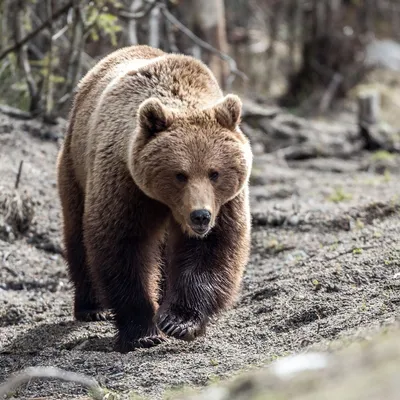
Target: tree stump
x: 369, y: 118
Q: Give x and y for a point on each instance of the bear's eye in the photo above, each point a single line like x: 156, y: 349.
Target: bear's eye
x: 214, y: 176
x: 181, y: 177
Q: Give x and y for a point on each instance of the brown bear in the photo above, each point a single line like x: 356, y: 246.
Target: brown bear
x: 153, y: 177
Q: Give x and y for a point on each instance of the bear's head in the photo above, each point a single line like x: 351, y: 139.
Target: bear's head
x: 193, y: 161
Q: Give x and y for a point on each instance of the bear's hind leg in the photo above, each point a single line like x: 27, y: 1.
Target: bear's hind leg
x: 86, y: 304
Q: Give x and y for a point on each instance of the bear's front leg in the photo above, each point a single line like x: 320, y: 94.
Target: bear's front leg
x: 122, y: 238
x: 204, y: 274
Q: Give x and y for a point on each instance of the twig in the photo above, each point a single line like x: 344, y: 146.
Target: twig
x: 143, y: 11
x: 330, y: 92
x: 51, y: 372
x: 348, y: 251
x: 60, y: 33
x: 231, y: 62
x: 19, y: 174
x: 35, y: 32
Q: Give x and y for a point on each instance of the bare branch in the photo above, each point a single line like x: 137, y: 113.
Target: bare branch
x: 23, y: 58
x: 49, y: 76
x: 231, y: 62
x: 60, y: 33
x: 132, y: 27
x: 143, y: 10
x: 148, y: 6
x: 154, y: 27
x: 75, y: 54
x: 54, y: 373
x: 4, y: 24
x: 21, y: 42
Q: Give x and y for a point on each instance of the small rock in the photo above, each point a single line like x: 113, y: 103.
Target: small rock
x: 293, y: 220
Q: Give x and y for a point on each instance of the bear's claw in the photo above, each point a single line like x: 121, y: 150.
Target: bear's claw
x: 93, y: 316
x: 128, y: 340
x: 179, y: 328
x: 150, y: 341
x: 144, y: 342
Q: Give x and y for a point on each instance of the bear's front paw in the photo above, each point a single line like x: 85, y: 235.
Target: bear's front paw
x: 93, y: 315
x: 129, y: 342
x: 180, y: 327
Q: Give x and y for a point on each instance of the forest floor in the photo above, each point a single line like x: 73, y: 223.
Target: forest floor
x: 325, y: 266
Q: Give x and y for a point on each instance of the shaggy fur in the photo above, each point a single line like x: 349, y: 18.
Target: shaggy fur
x: 151, y: 139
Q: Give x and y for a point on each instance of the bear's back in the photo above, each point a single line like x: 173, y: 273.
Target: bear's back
x: 89, y: 90
x: 108, y: 97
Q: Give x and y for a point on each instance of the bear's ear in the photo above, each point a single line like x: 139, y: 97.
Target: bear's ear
x: 154, y: 117
x: 228, y: 111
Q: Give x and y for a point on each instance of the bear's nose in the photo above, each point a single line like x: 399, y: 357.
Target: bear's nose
x: 200, y: 217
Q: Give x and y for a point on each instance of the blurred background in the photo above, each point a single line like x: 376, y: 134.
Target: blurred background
x: 307, y: 55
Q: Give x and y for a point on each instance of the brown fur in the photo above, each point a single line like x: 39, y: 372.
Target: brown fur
x: 139, y: 118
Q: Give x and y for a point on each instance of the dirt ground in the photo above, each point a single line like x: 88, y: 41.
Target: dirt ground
x: 325, y: 265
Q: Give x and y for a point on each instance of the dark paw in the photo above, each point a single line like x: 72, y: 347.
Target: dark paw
x: 179, y: 327
x: 93, y: 315
x: 124, y: 345
x: 130, y: 338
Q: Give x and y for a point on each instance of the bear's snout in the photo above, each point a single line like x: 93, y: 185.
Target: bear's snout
x: 200, y: 221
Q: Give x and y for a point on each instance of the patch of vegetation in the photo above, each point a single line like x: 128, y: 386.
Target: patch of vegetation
x: 214, y: 362
x: 382, y: 155
x: 359, y: 224
x: 316, y: 284
x: 387, y: 176
x: 339, y: 195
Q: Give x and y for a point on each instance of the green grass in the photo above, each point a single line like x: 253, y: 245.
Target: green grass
x: 339, y: 196
x: 382, y: 155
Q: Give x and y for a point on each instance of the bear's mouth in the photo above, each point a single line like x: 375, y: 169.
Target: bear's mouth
x: 200, y: 230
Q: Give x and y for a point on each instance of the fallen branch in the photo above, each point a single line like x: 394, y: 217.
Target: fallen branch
x: 54, y: 373
x: 15, y: 112
x: 35, y: 32
x: 19, y: 174
x: 349, y: 251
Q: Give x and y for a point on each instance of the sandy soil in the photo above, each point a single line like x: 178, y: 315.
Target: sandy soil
x: 324, y: 265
